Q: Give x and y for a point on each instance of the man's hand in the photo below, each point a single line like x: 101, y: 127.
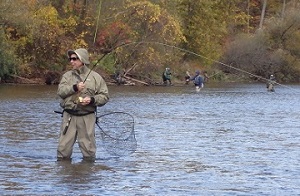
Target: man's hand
x: 85, y: 101
x: 80, y: 86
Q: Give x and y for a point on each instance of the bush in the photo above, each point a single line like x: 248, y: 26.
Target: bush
x: 272, y: 50
x: 7, y: 58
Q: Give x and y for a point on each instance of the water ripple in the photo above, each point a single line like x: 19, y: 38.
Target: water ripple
x: 229, y: 140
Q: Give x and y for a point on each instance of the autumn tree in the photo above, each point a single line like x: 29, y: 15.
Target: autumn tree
x: 7, y: 57
x: 206, y: 25
x: 274, y: 50
x: 13, y: 20
x: 32, y: 31
x: 152, y: 33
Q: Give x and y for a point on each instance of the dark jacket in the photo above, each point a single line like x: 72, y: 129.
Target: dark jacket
x: 198, y: 79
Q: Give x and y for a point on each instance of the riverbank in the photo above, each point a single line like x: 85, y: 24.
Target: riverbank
x: 53, y: 78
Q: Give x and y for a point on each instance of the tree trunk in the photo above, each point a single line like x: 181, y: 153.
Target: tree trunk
x: 283, y: 8
x: 263, y: 14
x: 97, y: 22
x: 248, y: 12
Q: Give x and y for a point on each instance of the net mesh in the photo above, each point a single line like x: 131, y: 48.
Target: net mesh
x: 117, y: 133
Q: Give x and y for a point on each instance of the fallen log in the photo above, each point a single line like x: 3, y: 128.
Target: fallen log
x: 139, y: 81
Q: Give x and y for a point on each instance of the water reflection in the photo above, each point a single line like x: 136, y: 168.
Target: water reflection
x: 81, y: 173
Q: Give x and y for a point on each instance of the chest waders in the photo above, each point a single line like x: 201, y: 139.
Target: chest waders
x: 72, y: 113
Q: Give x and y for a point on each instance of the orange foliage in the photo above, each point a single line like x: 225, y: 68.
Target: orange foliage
x: 113, y: 35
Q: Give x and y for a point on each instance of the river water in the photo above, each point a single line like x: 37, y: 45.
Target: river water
x: 234, y: 139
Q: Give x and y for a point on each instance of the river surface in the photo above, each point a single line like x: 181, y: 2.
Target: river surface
x: 234, y: 139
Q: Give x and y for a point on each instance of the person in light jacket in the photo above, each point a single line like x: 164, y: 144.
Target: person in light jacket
x: 270, y: 84
x: 81, y: 91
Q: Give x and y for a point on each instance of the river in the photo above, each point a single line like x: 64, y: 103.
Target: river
x: 229, y: 139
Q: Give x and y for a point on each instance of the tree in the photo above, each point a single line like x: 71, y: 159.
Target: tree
x: 263, y: 14
x: 150, y: 33
x: 7, y: 57
x: 206, y: 25
x: 14, y: 17
x: 275, y: 50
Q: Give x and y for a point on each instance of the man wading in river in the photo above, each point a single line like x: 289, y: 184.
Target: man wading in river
x: 81, y: 91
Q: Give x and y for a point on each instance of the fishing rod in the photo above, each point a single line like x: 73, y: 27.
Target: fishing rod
x: 108, y: 51
x: 95, y: 64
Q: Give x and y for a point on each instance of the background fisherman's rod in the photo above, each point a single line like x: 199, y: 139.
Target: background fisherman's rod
x: 108, y: 51
x: 230, y: 66
x: 95, y: 64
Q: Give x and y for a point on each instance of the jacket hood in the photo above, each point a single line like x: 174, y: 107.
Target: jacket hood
x: 82, y: 54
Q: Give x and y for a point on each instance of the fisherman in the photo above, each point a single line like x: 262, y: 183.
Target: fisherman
x: 206, y: 77
x: 187, y: 77
x: 119, y: 77
x: 270, y: 84
x: 166, y: 76
x: 81, y: 91
x: 198, y: 81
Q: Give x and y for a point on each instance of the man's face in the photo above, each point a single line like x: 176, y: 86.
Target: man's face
x: 75, y: 62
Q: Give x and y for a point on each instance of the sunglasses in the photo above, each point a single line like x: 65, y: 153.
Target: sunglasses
x: 73, y: 58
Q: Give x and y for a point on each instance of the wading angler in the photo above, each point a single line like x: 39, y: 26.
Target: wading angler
x: 81, y: 91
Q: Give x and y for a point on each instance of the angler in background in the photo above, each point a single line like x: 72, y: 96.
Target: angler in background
x: 198, y: 81
x: 81, y: 91
x: 206, y: 77
x: 166, y: 76
x: 270, y: 84
x: 119, y: 74
x: 187, y: 77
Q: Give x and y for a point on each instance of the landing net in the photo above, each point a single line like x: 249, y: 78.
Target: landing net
x: 117, y: 133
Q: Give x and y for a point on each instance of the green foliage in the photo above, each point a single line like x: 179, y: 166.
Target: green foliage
x: 206, y: 24
x: 107, y: 63
x: 7, y: 57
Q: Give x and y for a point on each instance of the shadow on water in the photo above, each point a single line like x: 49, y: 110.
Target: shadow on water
x: 235, y: 139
